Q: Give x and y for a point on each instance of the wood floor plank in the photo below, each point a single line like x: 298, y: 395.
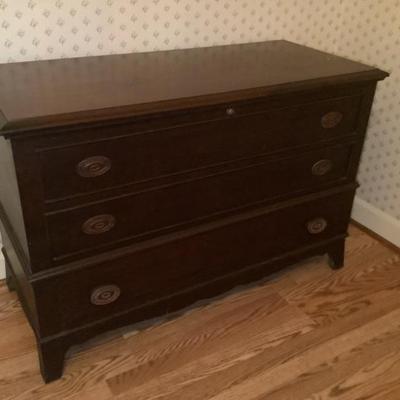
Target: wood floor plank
x: 17, y: 340
x: 98, y: 392
x: 372, y: 380
x: 219, y: 354
x: 209, y: 376
x: 332, y: 296
x: 9, y: 304
x: 260, y: 383
x: 388, y: 392
x: 335, y: 375
x: 157, y: 345
x: 19, y: 374
x: 307, y: 333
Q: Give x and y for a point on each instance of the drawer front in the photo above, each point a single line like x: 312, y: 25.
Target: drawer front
x: 155, y: 272
x: 107, y: 222
x: 141, y: 156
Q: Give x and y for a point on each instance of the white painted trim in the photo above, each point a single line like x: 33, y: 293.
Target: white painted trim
x: 2, y: 268
x: 376, y: 220
x: 2, y: 265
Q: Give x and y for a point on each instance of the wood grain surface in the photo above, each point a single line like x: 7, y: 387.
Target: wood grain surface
x: 306, y: 333
x: 54, y: 92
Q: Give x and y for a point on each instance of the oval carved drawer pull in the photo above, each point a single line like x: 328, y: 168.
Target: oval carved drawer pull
x: 98, y: 224
x: 322, y: 167
x: 317, y: 225
x: 92, y: 167
x: 230, y: 111
x: 331, y: 119
x: 104, y: 295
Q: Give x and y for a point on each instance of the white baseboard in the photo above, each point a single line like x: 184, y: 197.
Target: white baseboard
x: 377, y: 221
x: 2, y: 267
x: 2, y: 264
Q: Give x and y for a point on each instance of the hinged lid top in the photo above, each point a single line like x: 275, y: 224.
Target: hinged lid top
x: 59, y: 92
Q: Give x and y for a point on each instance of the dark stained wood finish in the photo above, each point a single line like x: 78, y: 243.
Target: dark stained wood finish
x: 187, y: 202
x: 68, y: 91
x: 136, y: 185
x: 28, y: 159
x: 53, y: 368
x: 254, y: 130
x: 194, y: 260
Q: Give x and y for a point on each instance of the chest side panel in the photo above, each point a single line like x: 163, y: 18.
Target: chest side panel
x: 10, y: 199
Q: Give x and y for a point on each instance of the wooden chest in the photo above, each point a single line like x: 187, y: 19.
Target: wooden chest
x: 134, y: 185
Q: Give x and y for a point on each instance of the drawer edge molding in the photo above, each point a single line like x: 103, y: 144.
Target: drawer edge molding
x: 262, y: 100
x: 190, y: 174
x: 191, y: 231
x: 214, y: 171
x: 199, y: 148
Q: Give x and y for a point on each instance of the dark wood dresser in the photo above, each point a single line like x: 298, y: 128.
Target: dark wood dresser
x: 135, y: 185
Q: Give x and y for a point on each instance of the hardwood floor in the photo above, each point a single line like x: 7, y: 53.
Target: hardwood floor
x: 306, y: 333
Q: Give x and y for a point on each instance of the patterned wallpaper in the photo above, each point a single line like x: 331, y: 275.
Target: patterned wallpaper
x: 367, y: 30
x: 371, y: 33
x: 33, y: 29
